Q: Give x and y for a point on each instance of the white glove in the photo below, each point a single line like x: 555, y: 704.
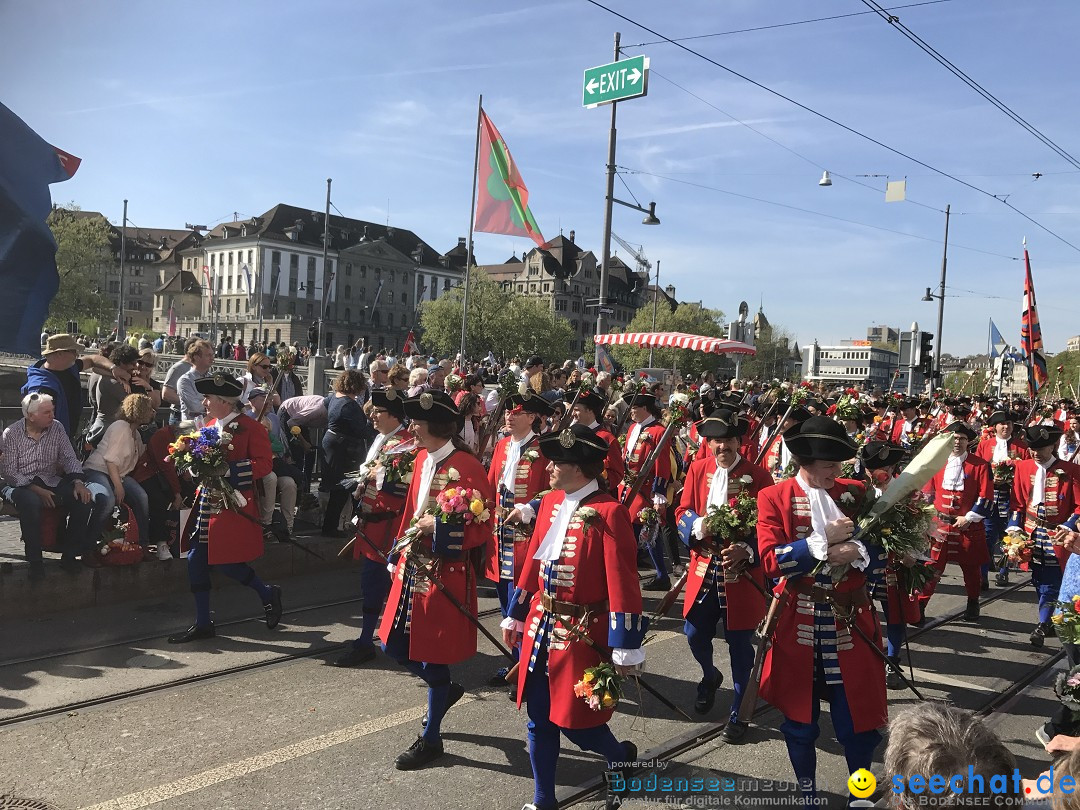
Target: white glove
x: 659, y: 501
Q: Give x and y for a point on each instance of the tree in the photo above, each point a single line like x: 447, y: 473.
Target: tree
x: 772, y: 361
x: 689, y: 318
x: 498, y: 321
x: 82, y: 252
x: 1066, y: 381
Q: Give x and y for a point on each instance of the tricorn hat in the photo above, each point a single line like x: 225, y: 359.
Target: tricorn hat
x: 876, y: 455
x: 432, y: 406
x: 643, y: 400
x: 1038, y: 436
x: 389, y: 400
x: 998, y: 418
x: 576, y: 444
x: 962, y: 428
x: 220, y: 384
x: 590, y: 399
x: 722, y: 423
x: 820, y: 438
x: 529, y: 402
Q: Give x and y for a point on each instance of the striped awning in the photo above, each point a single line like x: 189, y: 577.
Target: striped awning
x: 676, y: 340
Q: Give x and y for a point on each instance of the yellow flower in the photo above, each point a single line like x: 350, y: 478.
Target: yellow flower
x: 588, y: 677
x: 886, y: 532
x: 295, y: 430
x: 607, y: 702
x: 1057, y: 618
x: 476, y: 507
x: 451, y: 492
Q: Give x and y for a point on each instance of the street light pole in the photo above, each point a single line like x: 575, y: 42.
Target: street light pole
x: 120, y: 332
x: 941, y: 305
x: 325, y: 250
x: 601, y: 324
x: 655, y: 292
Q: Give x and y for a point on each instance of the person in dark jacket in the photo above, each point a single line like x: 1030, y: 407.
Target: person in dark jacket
x: 344, y: 443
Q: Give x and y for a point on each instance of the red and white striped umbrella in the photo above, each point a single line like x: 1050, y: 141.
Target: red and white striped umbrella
x: 675, y: 340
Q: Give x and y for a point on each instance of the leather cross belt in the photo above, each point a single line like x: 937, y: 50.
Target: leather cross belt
x: 571, y: 609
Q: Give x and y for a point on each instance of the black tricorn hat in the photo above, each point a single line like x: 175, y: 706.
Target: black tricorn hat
x: 220, y: 384
x: 576, y: 444
x: 820, y: 438
x: 799, y: 414
x: 876, y: 455
x: 530, y: 402
x: 432, y: 406
x: 389, y: 400
x: 963, y: 428
x: 722, y: 423
x: 1038, y: 436
x: 643, y: 400
x: 590, y: 399
x: 998, y: 418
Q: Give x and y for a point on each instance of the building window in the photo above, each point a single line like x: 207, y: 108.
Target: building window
x: 292, y: 307
x: 348, y: 291
x: 363, y: 293
x: 404, y: 299
x: 228, y: 284
x: 390, y: 276
x: 348, y: 268
x: 363, y: 271
x: 249, y: 260
x: 213, y: 260
x: 403, y: 319
x: 390, y: 297
x: 445, y: 284
x: 310, y: 310
x: 547, y: 287
x: 277, y: 336
x: 375, y: 320
x: 347, y: 315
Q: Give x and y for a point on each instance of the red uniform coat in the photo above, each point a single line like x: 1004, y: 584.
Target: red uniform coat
x: 634, y: 459
x: 1061, y: 504
x: 530, y: 479
x: 744, y: 603
x: 896, y: 430
x: 236, y: 537
x: 381, y: 506
x: 438, y: 632
x: 985, y: 450
x: 965, y: 546
x: 597, y: 565
x: 788, y: 673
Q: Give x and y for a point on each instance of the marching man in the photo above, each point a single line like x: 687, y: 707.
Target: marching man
x: 717, y: 587
x: 588, y: 411
x: 1002, y: 450
x: 577, y: 597
x: 804, y: 531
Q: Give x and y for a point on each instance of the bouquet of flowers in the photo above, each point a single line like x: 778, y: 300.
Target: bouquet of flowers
x: 1067, y: 622
x: 800, y: 394
x: 733, y: 520
x: 678, y: 409
x: 461, y: 505
x: 587, y: 381
x: 1005, y: 471
x: 286, y: 361
x: 915, y: 578
x: 902, y: 531
x: 600, y: 687
x: 203, y: 454
x: 649, y: 519
x: 509, y: 384
x: 119, y: 543
x: 847, y: 407
x: 1067, y: 689
x: 1016, y: 547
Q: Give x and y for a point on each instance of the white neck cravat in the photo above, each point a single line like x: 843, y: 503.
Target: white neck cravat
x: 551, y: 545
x: 635, y: 434
x: 1001, y: 450
x: 823, y: 510
x: 1038, y: 487
x: 594, y: 425
x: 718, y: 487
x: 953, y: 478
x: 427, y: 475
x: 513, y: 456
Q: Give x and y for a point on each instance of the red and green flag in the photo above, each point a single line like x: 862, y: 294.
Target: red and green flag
x: 502, y: 204
x: 1031, y: 334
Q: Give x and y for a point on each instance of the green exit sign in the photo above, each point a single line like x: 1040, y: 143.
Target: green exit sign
x: 617, y: 81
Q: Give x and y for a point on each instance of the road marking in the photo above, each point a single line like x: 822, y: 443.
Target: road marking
x: 235, y: 770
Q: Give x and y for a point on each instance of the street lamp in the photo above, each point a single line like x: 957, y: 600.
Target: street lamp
x: 650, y: 212
x: 940, y: 296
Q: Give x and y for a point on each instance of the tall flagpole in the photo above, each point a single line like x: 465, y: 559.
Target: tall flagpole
x: 326, y: 281
x: 472, y: 224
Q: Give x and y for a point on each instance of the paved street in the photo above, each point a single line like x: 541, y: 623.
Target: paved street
x: 258, y: 719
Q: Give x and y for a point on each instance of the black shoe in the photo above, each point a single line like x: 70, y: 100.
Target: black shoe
x: 892, y: 679
x: 1038, y: 635
x: 273, y: 608
x: 1002, y: 577
x: 971, y: 614
x: 71, y: 565
x: 193, y: 633
x: 457, y: 691
x: 420, y: 753
x: 499, y: 678
x: 706, y: 693
x: 985, y: 583
x: 659, y: 585
x: 356, y: 656
x: 734, y: 731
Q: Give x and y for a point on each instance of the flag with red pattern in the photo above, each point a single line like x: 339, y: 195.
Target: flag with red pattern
x: 1031, y: 341
x: 502, y: 204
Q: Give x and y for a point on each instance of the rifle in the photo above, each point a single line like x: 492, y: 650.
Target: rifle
x: 626, y: 414
x: 772, y: 439
x: 765, y: 633
x: 650, y: 464
x: 491, y: 425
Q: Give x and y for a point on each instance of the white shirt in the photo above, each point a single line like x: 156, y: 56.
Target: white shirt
x: 513, y: 456
x: 373, y: 453
x: 1001, y: 450
x: 953, y: 479
x: 1038, y: 487
x: 427, y: 475
x: 823, y: 510
x: 552, y: 544
x: 718, y: 488
x: 635, y: 433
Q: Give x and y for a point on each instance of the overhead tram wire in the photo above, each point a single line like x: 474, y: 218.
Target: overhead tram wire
x: 784, y: 25
x: 936, y: 55
x: 831, y: 120
x: 815, y: 213
x: 783, y: 146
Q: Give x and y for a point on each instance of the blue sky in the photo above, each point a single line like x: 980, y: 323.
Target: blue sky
x: 194, y: 111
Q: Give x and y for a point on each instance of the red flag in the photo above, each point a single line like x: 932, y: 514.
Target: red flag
x: 68, y: 162
x: 410, y: 344
x: 172, y: 321
x: 502, y: 205
x: 1031, y: 341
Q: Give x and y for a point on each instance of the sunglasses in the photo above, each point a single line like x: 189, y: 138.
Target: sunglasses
x: 144, y: 365
x: 264, y: 367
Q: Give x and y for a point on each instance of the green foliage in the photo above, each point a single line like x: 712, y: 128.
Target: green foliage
x: 498, y: 321
x: 82, y: 254
x: 774, y: 347
x: 689, y: 318
x: 1066, y: 381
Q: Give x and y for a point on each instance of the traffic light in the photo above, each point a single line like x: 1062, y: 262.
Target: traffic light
x: 926, y: 348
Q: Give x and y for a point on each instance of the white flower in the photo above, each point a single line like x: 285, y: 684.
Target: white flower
x: 453, y: 475
x: 231, y: 447
x: 847, y: 497
x: 531, y: 455
x: 233, y: 425
x: 747, y: 479
x: 485, y: 516
x: 679, y: 397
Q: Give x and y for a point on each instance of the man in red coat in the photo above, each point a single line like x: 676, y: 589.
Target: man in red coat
x: 643, y: 436
x: 386, y: 474
x: 577, y: 597
x: 722, y: 572
x: 421, y: 628
x: 1002, y: 450
x: 588, y: 411
x: 517, y: 475
x: 228, y: 538
x: 1046, y: 507
x: 963, y: 495
x: 908, y: 427
x: 805, y: 532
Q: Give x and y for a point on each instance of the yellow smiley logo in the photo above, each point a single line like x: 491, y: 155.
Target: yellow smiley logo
x: 861, y: 783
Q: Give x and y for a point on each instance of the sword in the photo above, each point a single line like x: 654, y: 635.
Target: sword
x: 850, y: 621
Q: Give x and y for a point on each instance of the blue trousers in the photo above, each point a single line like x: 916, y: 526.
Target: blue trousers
x: 134, y: 496
x: 436, y: 676
x: 374, y: 587
x: 894, y: 637
x: 995, y: 529
x: 1047, y: 582
x: 544, y: 736
x: 199, y: 579
x: 700, y: 627
x: 800, y: 737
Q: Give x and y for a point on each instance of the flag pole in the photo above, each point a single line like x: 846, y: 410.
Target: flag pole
x: 472, y: 224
